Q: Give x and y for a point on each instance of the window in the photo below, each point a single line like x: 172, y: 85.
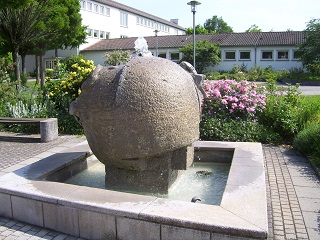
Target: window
x: 123, y: 19
x: 174, y: 56
x: 89, y: 32
x: 50, y: 64
x: 107, y: 35
x: 138, y: 20
x: 108, y: 12
x: 96, y: 8
x: 162, y: 55
x: 245, y: 55
x: 123, y: 36
x: 83, y: 4
x: 101, y: 10
x: 95, y: 33
x: 230, y: 55
x: 89, y: 6
x: 282, y: 55
x: 102, y: 34
x: 267, y: 55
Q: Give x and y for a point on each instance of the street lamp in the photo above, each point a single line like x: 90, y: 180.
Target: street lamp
x: 193, y: 10
x: 156, y: 34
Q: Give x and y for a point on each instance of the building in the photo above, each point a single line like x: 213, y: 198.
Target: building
x: 107, y: 19
x: 276, y: 49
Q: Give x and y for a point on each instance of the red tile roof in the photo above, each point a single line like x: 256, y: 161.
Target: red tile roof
x: 225, y: 39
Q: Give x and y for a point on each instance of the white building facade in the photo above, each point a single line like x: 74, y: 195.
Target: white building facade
x: 106, y: 19
x: 275, y: 49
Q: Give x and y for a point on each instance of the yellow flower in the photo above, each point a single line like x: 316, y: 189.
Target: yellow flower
x: 82, y: 60
x: 51, y: 94
x: 79, y: 91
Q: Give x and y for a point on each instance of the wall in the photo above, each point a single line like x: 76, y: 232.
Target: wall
x: 256, y: 58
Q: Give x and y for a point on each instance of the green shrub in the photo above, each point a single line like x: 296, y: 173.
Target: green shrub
x: 235, y: 130
x: 307, y: 142
x: 281, y: 112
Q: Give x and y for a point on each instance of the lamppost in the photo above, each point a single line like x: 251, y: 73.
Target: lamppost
x: 156, y: 34
x: 193, y: 10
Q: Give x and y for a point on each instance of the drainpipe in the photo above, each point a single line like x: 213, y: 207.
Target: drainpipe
x: 255, y: 50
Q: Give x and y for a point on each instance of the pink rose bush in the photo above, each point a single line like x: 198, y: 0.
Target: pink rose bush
x: 232, y: 99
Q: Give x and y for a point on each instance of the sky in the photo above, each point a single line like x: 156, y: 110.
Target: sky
x: 271, y: 15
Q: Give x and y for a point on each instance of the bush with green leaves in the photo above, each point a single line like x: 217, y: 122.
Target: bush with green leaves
x: 6, y: 66
x: 307, y: 142
x: 281, y: 114
x: 116, y: 57
x: 63, y: 92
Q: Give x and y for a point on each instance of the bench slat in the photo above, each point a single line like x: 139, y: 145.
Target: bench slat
x: 20, y: 120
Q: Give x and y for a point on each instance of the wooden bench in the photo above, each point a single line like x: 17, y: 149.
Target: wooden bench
x: 48, y: 126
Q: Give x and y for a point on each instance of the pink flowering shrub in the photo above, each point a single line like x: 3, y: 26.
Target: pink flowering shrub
x: 232, y: 99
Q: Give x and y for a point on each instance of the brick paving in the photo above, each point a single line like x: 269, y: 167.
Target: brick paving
x: 293, y: 191
x: 289, y: 211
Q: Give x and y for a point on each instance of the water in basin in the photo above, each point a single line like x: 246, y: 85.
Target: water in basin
x: 205, y: 180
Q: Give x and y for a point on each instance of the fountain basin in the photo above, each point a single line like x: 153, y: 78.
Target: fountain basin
x: 102, y: 214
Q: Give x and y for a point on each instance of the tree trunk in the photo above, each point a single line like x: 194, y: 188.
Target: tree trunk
x: 37, y: 69
x: 23, y: 64
x: 42, y: 72
x: 16, y: 61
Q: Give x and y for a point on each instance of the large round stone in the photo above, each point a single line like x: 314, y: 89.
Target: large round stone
x: 146, y: 108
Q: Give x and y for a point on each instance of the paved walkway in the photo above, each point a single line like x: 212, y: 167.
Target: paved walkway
x: 293, y: 190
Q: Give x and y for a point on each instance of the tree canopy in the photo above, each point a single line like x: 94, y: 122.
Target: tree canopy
x: 217, y: 25
x: 309, y: 51
x: 207, y: 54
x: 40, y: 25
x: 199, y: 30
x: 254, y: 28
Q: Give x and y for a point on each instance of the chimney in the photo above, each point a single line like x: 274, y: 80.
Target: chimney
x: 176, y: 21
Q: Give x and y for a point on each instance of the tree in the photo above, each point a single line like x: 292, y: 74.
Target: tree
x: 309, y: 51
x: 207, y: 54
x: 13, y: 3
x: 41, y: 25
x: 254, y: 28
x: 217, y: 25
x: 117, y: 57
x: 199, y: 30
x: 65, y: 30
x: 18, y: 26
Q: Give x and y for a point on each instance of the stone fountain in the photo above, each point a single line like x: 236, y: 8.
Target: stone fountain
x: 141, y: 119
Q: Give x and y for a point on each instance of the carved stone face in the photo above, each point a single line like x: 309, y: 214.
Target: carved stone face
x: 146, y: 108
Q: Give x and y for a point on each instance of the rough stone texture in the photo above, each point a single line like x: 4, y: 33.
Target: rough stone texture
x: 140, y: 112
x: 145, y: 108
x: 49, y: 129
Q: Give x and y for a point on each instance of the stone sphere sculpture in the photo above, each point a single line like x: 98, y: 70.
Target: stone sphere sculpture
x: 140, y: 112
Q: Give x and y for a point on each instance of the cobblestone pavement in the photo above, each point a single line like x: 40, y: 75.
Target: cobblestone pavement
x: 293, y: 191
x: 15, y: 147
